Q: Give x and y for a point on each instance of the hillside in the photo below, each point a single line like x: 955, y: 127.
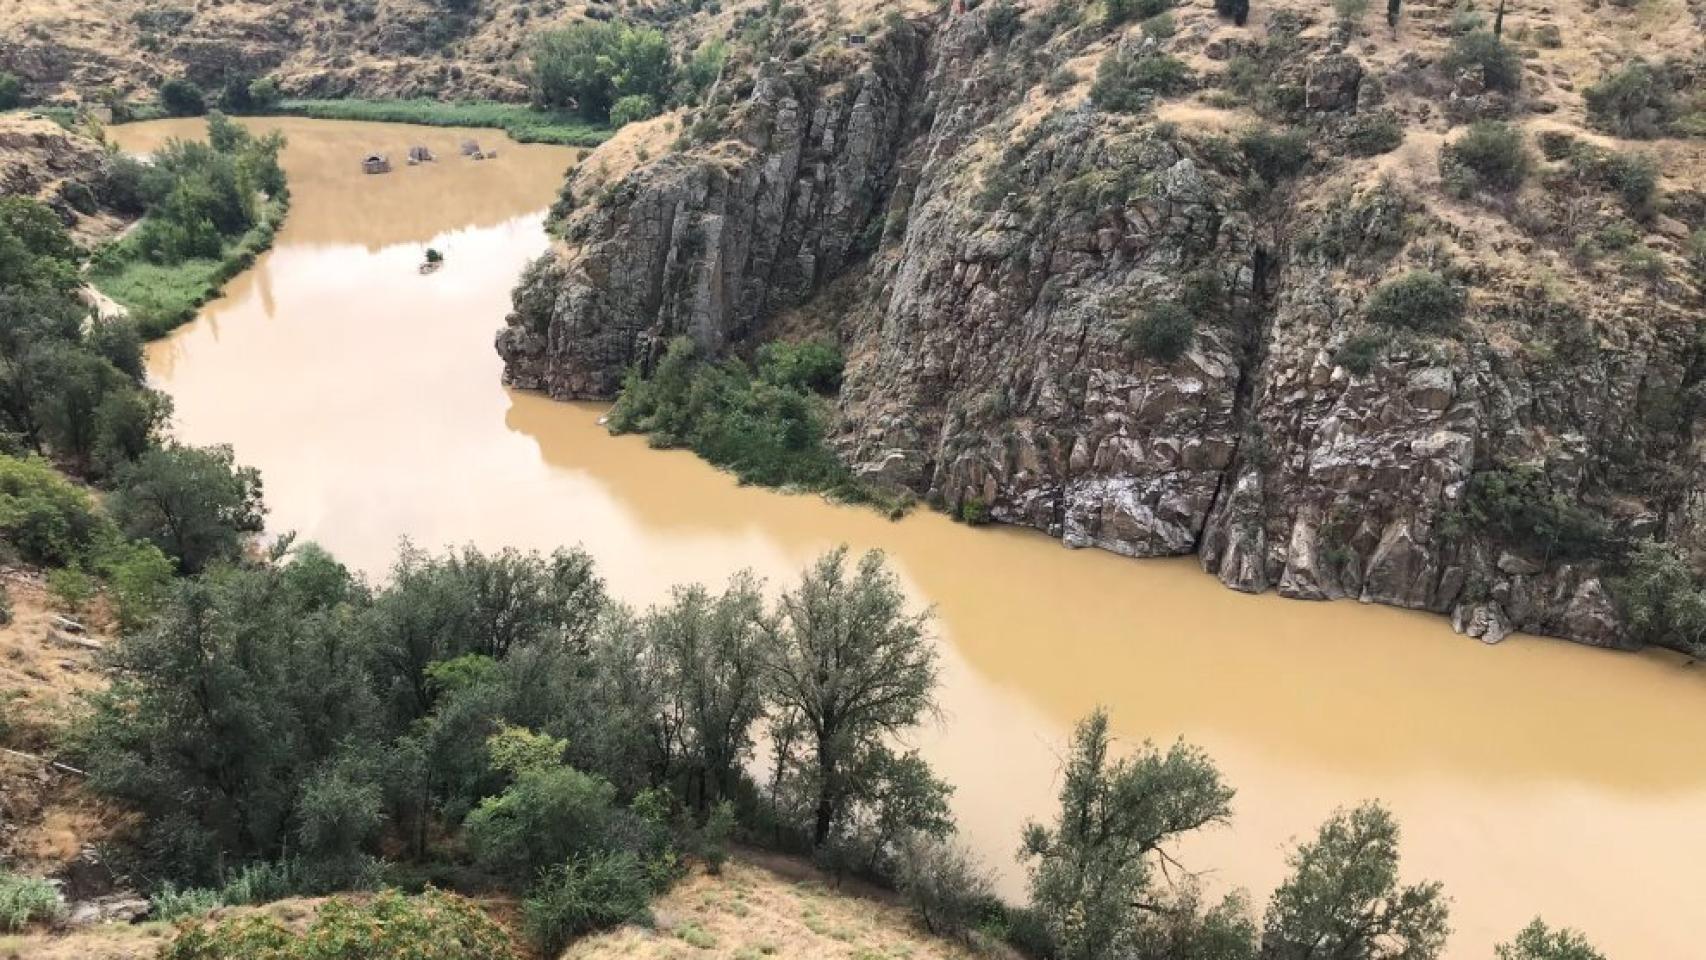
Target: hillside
x: 1347, y: 311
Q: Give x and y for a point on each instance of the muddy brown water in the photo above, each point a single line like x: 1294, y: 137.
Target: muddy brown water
x: 1534, y: 777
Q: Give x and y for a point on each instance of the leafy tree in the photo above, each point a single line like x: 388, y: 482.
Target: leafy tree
x: 1343, y: 899
x: 45, y: 518
x: 710, y: 652
x: 591, y: 65
x: 182, y: 98
x: 1661, y: 598
x: 224, y: 715
x: 848, y: 661
x: 11, y: 90
x: 1092, y: 873
x: 1539, y: 942
x: 943, y: 884
x: 194, y: 503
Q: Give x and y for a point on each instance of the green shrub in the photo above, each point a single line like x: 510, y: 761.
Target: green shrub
x: 71, y: 588
x: 1634, y: 101
x: 1490, y: 155
x: 182, y: 98
x: 1361, y: 352
x: 1372, y: 134
x: 264, y: 94
x: 974, y: 511
x: 47, y: 519
x: 944, y: 885
x: 1162, y: 332
x: 1661, y: 598
x: 715, y: 835
x: 170, y: 904
x: 11, y: 90
x: 803, y: 365
x: 1116, y: 12
x: 26, y: 900
x: 390, y: 926
x: 1003, y: 21
x: 632, y: 108
x: 1634, y: 176
x: 582, y: 896
x: 1129, y: 84
x: 1500, y: 67
x: 546, y: 817
x: 1517, y: 507
x: 1275, y: 155
x: 1419, y: 300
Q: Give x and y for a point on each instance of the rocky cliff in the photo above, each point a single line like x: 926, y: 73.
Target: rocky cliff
x: 983, y: 235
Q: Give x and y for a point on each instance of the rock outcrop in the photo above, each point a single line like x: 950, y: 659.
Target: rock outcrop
x: 984, y: 242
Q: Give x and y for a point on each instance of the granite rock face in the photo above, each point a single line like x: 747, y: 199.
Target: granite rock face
x: 985, y: 255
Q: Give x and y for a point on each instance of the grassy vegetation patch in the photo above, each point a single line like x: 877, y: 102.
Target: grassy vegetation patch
x: 523, y: 124
x: 164, y: 296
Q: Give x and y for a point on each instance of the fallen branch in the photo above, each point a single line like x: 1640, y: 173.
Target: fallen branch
x: 52, y: 763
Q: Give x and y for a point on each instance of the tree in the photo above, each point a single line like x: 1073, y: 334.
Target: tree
x: 848, y: 661
x: 1091, y: 874
x: 228, y: 712
x: 11, y: 90
x: 1538, y: 942
x: 591, y: 65
x: 550, y: 814
x: 194, y: 503
x: 1343, y: 900
x: 711, y: 652
x: 1661, y: 598
x: 182, y: 98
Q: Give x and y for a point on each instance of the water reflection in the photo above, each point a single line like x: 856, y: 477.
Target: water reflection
x: 1531, y: 777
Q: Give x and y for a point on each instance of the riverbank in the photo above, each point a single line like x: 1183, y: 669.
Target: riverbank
x: 161, y: 297
x: 523, y: 124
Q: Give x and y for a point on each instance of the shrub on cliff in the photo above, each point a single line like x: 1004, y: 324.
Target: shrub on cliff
x: 11, y: 90
x: 1636, y: 100
x: 1490, y: 156
x: 1117, y: 12
x: 632, y: 108
x: 1661, y: 597
x: 1419, y: 300
x: 1275, y: 155
x: 1517, y: 507
x: 1162, y: 332
x: 1129, y: 84
x: 1499, y: 66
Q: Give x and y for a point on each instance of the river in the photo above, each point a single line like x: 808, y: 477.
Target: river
x: 1534, y: 777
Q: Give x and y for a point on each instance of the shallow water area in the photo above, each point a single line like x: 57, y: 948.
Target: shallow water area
x: 1535, y: 777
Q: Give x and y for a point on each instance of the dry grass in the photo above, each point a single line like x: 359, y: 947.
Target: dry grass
x: 750, y: 912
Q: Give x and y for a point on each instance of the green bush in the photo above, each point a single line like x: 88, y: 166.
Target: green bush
x: 71, y: 588
x: 1275, y: 155
x: 181, y: 98
x: 171, y: 904
x: 26, y: 900
x: 264, y: 94
x: 1634, y: 176
x: 390, y: 926
x: 1116, y: 12
x: 974, y: 511
x: 11, y: 90
x: 944, y: 885
x: 1517, y: 507
x: 1003, y: 21
x: 585, y: 895
x: 1634, y: 101
x: 767, y: 426
x: 1361, y: 352
x: 1500, y: 67
x: 632, y: 108
x: 1129, y: 84
x: 1419, y: 300
x: 1162, y: 332
x: 546, y: 817
x: 1490, y: 155
x: 1372, y: 134
x: 47, y: 519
